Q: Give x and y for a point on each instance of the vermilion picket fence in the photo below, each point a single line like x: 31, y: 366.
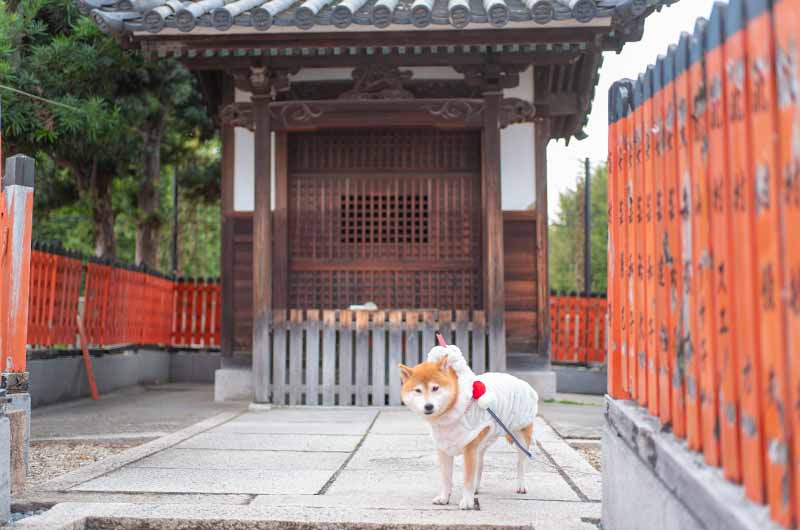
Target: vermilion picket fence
x: 122, y: 304
x: 707, y: 140
x: 197, y: 313
x: 578, y: 327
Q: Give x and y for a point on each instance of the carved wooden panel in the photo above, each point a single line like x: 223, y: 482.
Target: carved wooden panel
x: 387, y: 216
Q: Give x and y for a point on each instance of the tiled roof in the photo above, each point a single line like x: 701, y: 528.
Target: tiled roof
x: 124, y: 16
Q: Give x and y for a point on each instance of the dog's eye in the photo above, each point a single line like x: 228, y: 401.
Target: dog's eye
x: 435, y: 389
x: 418, y: 390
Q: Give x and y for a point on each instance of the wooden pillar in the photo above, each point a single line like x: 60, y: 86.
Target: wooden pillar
x: 493, y: 266
x: 280, y: 218
x: 541, y: 139
x: 228, y: 135
x: 262, y: 248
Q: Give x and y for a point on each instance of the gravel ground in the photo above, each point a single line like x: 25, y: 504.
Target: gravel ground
x: 592, y: 454
x: 49, y: 460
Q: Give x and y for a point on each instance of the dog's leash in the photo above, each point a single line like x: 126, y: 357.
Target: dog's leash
x: 475, y: 389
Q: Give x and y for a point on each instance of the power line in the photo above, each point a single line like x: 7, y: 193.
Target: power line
x: 40, y: 98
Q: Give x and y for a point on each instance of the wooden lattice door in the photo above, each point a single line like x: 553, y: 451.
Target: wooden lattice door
x: 385, y: 216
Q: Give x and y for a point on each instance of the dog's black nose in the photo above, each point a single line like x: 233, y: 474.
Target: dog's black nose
x: 428, y: 407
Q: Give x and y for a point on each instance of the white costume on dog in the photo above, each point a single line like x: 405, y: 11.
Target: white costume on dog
x: 513, y: 400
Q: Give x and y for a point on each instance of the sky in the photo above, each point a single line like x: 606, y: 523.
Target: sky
x: 564, y: 164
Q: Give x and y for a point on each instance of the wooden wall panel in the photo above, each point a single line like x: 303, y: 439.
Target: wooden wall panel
x: 519, y: 237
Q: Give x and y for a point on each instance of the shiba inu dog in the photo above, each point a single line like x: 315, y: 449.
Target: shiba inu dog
x: 440, y: 391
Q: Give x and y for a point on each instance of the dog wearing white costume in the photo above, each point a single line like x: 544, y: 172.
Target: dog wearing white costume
x: 441, y: 391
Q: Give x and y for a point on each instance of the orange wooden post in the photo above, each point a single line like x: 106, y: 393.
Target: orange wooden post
x: 18, y: 196
x: 629, y: 339
x: 786, y: 23
x: 672, y: 246
x: 688, y: 398
x: 638, y: 222
x: 746, y: 330
x: 616, y: 263
x: 660, y: 191
x: 764, y: 179
x: 722, y: 238
x: 703, y: 311
x: 217, y: 313
x: 623, y: 242
x: 651, y: 165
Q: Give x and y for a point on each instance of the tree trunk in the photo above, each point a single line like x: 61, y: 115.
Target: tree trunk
x: 105, y: 244
x: 148, y: 200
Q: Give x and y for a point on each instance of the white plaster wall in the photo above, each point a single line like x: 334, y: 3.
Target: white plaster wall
x: 517, y: 153
x: 244, y: 165
x: 516, y: 142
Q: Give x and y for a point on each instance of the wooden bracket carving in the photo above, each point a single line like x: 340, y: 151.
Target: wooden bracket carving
x: 378, y: 81
x: 238, y: 115
x: 295, y: 113
x: 515, y: 110
x: 454, y: 110
x: 490, y: 77
x: 263, y: 81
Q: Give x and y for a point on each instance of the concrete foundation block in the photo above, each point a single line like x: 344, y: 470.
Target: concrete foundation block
x: 543, y: 381
x: 5, y: 469
x: 581, y: 380
x: 17, y: 421
x: 651, y: 480
x: 22, y: 402
x: 194, y: 367
x: 233, y: 384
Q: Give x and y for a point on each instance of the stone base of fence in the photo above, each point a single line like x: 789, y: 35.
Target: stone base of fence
x: 581, y: 379
x: 63, y: 377
x: 650, y: 480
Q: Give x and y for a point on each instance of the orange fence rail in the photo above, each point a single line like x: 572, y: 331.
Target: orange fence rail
x: 704, y: 294
x: 122, y: 304
x: 578, y: 328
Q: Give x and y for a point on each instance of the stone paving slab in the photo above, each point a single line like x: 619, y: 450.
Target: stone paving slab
x: 541, y: 486
x: 271, y: 442
x: 247, y: 424
x: 390, y: 461
x: 534, y: 515
x: 212, y: 459
x: 320, y: 414
x: 241, y: 481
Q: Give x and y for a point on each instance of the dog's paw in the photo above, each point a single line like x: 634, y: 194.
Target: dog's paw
x: 522, y: 489
x: 467, y: 503
x: 441, y: 499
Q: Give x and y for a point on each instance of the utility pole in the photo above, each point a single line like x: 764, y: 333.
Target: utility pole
x: 175, y: 219
x: 587, y: 230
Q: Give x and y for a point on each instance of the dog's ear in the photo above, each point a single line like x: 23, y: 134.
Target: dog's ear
x: 441, y: 364
x: 405, y: 372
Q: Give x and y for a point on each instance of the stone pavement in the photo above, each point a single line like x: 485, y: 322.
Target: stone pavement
x: 575, y: 416
x: 316, y: 467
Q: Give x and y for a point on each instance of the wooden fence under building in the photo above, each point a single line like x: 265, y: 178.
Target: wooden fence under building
x: 704, y: 257
x: 351, y: 357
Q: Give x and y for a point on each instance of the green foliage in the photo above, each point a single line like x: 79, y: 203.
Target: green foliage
x: 90, y: 137
x: 567, y: 233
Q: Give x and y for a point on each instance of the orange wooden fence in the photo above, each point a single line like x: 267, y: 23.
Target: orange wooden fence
x: 578, y: 328
x: 121, y: 304
x: 704, y: 294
